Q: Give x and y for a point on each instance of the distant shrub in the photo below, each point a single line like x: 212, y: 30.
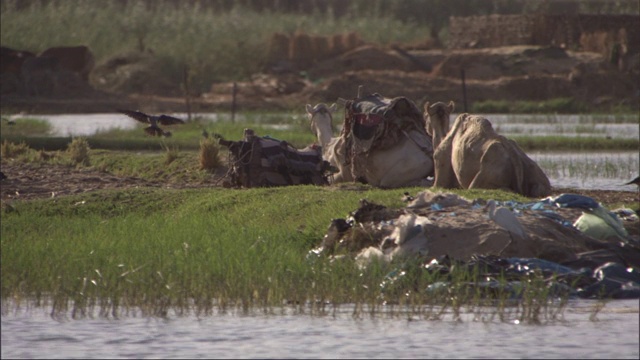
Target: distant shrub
x: 11, y: 150
x: 209, y: 150
x: 171, y: 154
x: 78, y: 150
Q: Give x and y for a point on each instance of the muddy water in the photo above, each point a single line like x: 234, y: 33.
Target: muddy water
x: 612, y: 334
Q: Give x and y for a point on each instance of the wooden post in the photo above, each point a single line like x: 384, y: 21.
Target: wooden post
x: 186, y: 91
x: 234, y: 92
x: 464, y: 90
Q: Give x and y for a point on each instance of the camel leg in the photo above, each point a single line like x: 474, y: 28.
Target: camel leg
x: 496, y: 170
x: 445, y: 177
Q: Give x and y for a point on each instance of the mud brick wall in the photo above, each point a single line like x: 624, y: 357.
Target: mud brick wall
x: 596, y: 33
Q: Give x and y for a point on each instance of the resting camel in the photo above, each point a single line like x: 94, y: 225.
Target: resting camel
x: 402, y: 164
x: 472, y: 155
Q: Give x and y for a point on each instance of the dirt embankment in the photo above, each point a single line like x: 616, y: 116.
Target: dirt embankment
x: 507, y: 73
x: 36, y: 181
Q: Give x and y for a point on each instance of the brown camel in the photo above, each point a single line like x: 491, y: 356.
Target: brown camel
x: 471, y: 155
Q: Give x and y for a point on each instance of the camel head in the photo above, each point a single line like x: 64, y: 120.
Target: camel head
x: 437, y: 120
x: 322, y: 121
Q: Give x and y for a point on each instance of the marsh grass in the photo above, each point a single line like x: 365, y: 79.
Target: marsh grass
x: 559, y: 105
x: 588, y: 143
x: 209, y: 251
x: 294, y: 130
x: 153, y: 251
x: 78, y: 151
x: 11, y: 150
x: 584, y: 166
x: 209, y: 154
x: 25, y: 126
x: 171, y: 153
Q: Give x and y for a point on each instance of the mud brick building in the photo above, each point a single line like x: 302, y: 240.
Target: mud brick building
x: 596, y: 33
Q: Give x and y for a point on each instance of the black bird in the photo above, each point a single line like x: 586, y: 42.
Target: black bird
x: 635, y: 181
x: 9, y: 121
x: 153, y: 120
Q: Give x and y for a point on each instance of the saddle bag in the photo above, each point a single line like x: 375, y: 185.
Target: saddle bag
x: 374, y: 122
x: 264, y: 161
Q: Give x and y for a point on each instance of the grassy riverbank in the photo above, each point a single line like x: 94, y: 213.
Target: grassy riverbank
x: 209, y: 250
x: 293, y: 128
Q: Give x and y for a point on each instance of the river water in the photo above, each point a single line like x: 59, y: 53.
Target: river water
x: 612, y: 334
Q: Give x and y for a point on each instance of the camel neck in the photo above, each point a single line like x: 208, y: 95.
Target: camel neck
x: 438, y: 135
x: 323, y: 131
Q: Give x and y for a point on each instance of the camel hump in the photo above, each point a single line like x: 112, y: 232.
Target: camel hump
x: 531, y: 180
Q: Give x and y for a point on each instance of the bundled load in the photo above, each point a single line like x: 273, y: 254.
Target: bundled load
x: 264, y: 161
x: 542, y: 234
x: 375, y: 123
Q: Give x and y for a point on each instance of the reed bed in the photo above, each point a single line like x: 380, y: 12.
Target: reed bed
x: 557, y: 105
x: 153, y: 252
x: 586, y: 166
x: 554, y: 118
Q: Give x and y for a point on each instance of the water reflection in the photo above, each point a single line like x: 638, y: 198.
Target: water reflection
x: 614, y: 334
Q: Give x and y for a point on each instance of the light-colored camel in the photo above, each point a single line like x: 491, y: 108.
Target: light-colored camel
x: 403, y: 164
x: 471, y: 155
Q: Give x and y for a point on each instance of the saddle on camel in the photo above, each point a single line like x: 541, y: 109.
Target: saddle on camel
x: 383, y: 142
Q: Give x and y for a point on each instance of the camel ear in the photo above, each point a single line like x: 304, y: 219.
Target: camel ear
x: 309, y: 109
x: 333, y: 107
x: 451, y: 106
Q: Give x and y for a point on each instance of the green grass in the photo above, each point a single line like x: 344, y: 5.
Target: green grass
x: 291, y: 127
x: 25, y: 126
x: 207, y: 250
x: 603, y: 166
x: 151, y: 250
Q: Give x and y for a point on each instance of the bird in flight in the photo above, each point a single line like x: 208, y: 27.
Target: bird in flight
x: 9, y: 121
x: 153, y: 120
x: 635, y: 181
